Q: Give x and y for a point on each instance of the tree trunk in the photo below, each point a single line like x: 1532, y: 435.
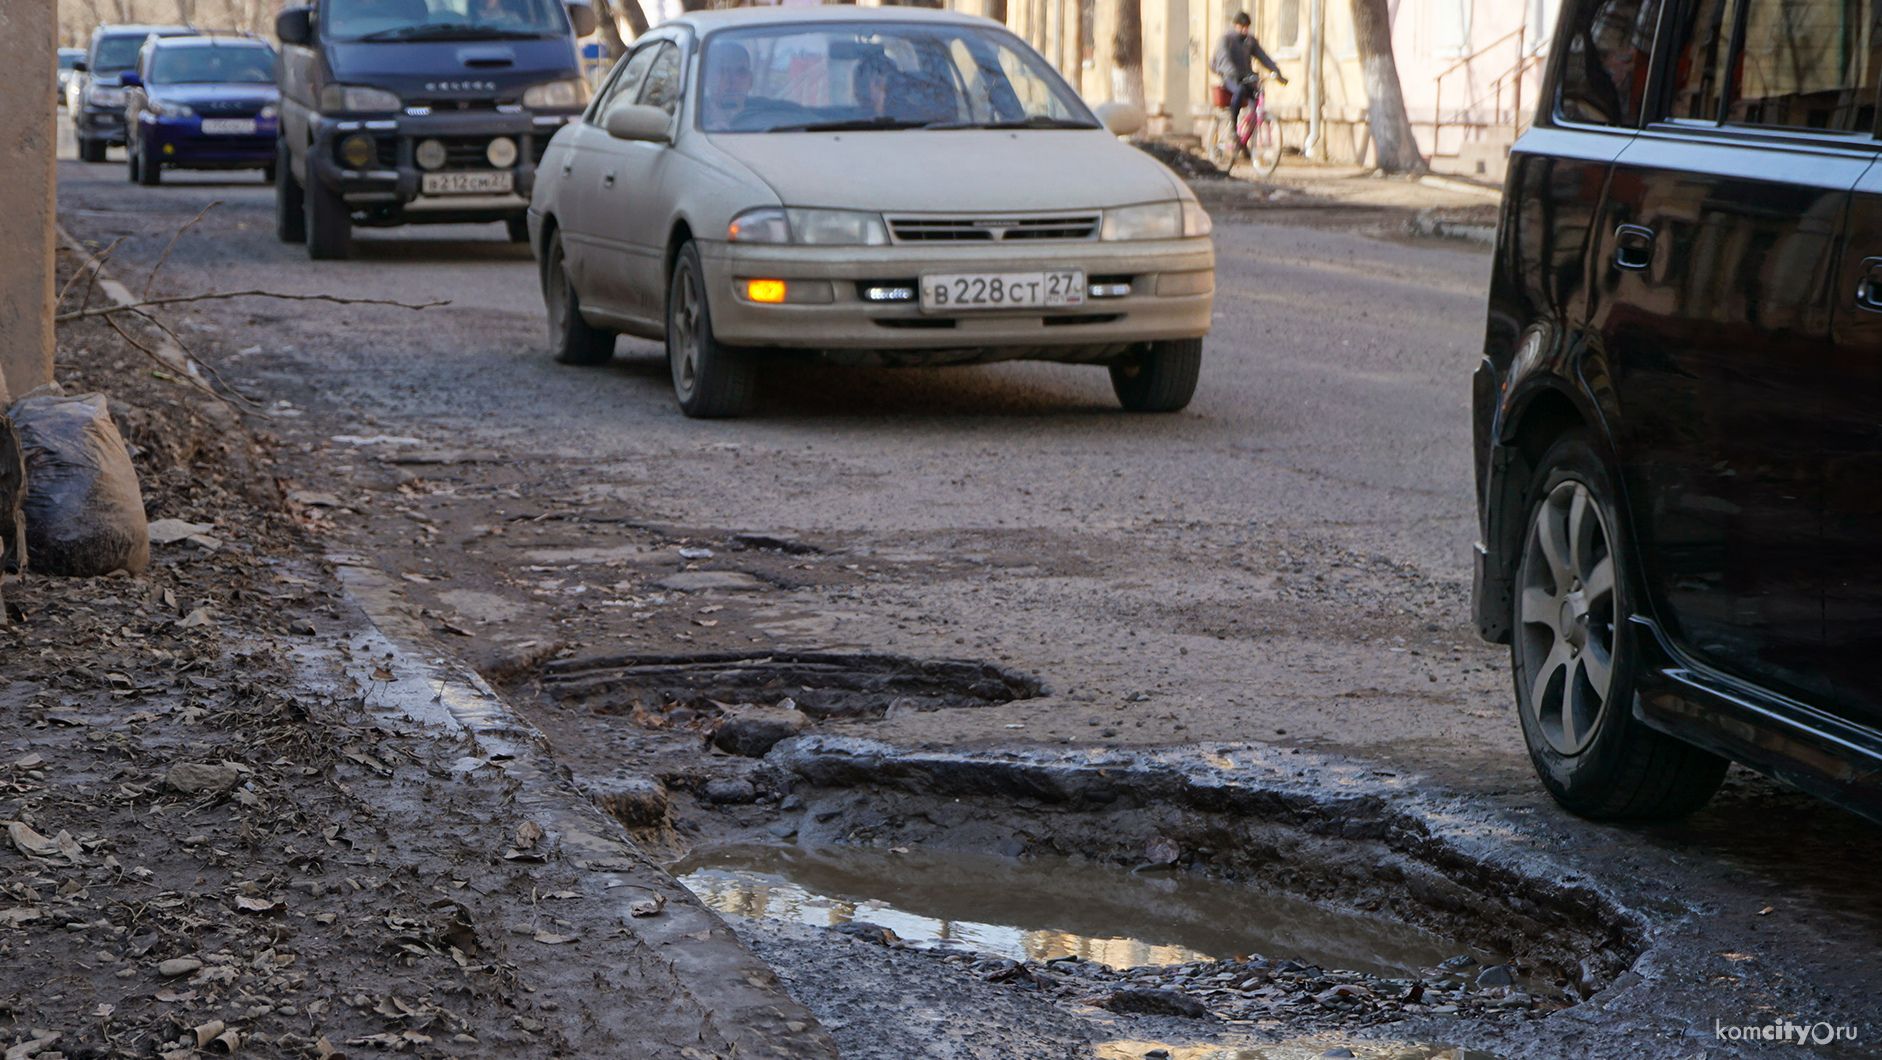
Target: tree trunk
x: 1391, y: 127
x: 1127, y: 78
x: 610, y: 29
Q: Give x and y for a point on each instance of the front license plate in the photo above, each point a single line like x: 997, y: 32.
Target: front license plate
x: 495, y: 182
x: 228, y: 126
x: 953, y: 292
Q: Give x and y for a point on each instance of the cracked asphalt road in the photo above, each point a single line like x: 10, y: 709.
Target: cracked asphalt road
x: 1286, y: 562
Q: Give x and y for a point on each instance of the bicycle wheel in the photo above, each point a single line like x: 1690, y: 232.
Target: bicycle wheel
x: 1264, y: 148
x: 1221, y: 145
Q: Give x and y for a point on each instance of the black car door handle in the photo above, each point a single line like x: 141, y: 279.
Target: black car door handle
x: 1633, y: 247
x: 607, y: 181
x: 1869, y: 287
x: 567, y: 168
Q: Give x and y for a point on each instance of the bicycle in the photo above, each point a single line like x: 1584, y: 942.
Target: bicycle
x: 1259, y: 137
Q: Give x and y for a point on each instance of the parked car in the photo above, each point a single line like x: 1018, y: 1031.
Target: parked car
x: 95, y: 98
x: 206, y: 102
x: 871, y: 185
x: 69, y: 58
x: 1678, y: 432
x: 401, y: 112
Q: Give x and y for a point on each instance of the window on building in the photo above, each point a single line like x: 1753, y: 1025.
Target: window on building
x: 1287, y: 29
x: 1604, y: 74
x: 1450, y: 27
x: 1808, y: 64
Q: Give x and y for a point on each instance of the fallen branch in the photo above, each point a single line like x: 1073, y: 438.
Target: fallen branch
x: 79, y: 314
x: 151, y: 280
x: 169, y: 369
x: 90, y: 268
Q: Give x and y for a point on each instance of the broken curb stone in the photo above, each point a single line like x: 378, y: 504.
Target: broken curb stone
x: 752, y: 731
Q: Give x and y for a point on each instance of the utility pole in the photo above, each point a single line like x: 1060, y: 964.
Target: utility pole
x: 1316, y: 147
x: 28, y: 149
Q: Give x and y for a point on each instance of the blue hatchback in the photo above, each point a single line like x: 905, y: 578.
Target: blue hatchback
x: 201, y: 103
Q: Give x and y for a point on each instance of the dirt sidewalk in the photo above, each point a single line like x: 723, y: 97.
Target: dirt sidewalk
x: 240, y: 818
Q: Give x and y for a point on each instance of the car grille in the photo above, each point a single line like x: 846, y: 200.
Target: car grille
x: 466, y: 152
x: 228, y: 108
x: 931, y: 229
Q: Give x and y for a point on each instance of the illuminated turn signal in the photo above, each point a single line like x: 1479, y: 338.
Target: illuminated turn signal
x: 765, y: 290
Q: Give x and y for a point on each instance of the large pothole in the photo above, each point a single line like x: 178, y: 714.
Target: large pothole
x: 667, y: 691
x: 1369, y: 879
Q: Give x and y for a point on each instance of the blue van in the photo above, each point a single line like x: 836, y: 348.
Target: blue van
x: 419, y: 112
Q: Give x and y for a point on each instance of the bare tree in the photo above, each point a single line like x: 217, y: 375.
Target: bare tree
x: 611, y: 30
x: 1391, y: 127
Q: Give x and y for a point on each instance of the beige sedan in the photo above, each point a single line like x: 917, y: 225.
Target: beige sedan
x: 888, y: 185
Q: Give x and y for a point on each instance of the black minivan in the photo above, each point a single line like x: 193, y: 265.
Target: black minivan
x: 419, y: 111
x: 1678, y: 418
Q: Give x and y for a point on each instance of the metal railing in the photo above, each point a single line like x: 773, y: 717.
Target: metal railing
x: 1510, y: 80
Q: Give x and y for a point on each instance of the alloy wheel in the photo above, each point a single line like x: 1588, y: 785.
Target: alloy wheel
x: 1566, y: 617
x: 686, y: 329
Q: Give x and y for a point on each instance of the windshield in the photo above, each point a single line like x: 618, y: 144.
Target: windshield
x: 209, y: 64
x: 441, y: 19
x: 116, y: 53
x: 879, y: 75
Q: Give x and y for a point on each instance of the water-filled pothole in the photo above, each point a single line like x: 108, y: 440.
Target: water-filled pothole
x: 672, y: 690
x: 1045, y: 907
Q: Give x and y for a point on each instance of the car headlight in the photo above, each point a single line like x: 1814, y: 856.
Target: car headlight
x: 557, y: 95
x: 164, y: 109
x: 839, y: 228
x: 357, y: 99
x: 809, y: 227
x: 763, y: 225
x: 106, y: 97
x: 1152, y: 220
x: 1196, y: 220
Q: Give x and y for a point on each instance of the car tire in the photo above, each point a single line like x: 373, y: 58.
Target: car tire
x: 149, y: 169
x: 711, y: 380
x: 1159, y: 377
x: 90, y: 150
x: 290, y: 204
x: 1574, y: 659
x: 268, y: 173
x: 130, y: 162
x: 518, y: 228
x: 329, y: 223
x: 574, y: 340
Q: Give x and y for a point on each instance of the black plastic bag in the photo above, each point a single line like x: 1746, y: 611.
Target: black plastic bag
x: 84, y: 512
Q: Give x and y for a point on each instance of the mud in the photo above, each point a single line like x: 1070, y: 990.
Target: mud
x: 821, y: 684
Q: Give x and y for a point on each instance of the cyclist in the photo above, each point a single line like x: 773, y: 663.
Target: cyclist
x: 1234, y: 63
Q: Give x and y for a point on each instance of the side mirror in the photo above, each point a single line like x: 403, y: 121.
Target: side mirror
x: 1121, y: 118
x: 81, y: 66
x: 130, y: 79
x: 637, y: 121
x: 582, y: 17
x: 295, y: 25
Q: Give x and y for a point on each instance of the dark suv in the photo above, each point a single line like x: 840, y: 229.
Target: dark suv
x: 1678, y: 418
x: 98, y: 104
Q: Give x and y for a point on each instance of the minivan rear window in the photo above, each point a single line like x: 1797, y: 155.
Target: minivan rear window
x: 1807, y: 64
x: 1604, y: 76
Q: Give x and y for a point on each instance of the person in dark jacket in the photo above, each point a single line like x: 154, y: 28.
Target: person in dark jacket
x: 1234, y: 62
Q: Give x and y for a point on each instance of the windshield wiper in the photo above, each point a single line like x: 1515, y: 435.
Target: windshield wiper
x: 448, y: 31
x: 1036, y: 121
x: 879, y: 122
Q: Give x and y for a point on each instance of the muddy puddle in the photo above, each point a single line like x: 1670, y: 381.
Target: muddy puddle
x: 1047, y: 907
